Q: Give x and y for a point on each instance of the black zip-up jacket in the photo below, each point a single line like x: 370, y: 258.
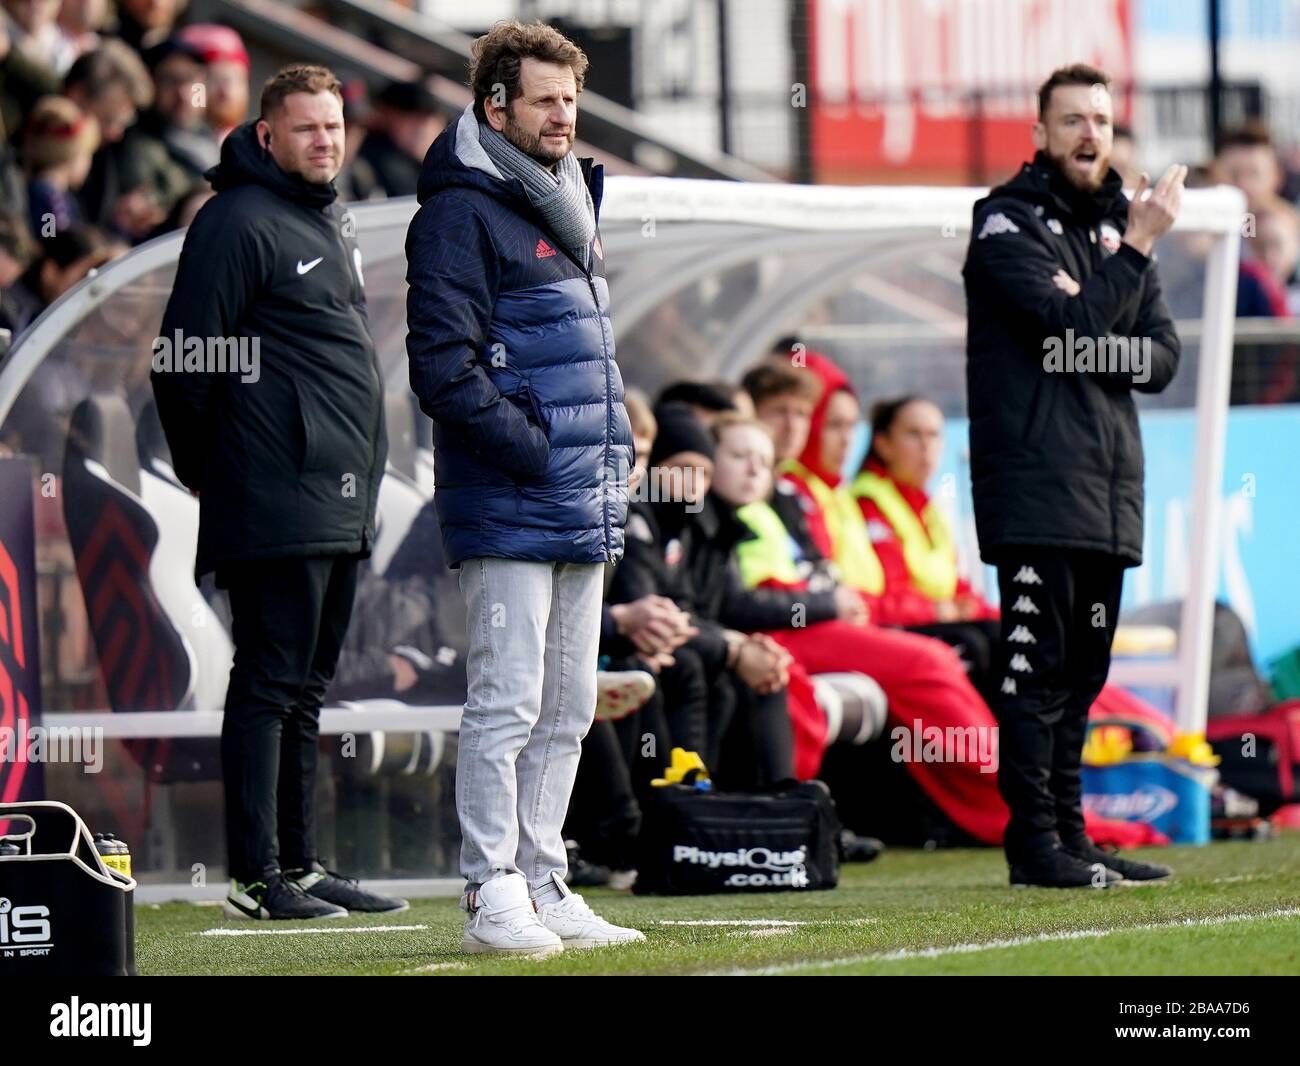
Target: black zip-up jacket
x: 1056, y: 456
x: 288, y: 464
x: 690, y: 559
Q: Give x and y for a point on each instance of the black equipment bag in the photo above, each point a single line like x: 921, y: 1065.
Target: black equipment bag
x: 696, y: 842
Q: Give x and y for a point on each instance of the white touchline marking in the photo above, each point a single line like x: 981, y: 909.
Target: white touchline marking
x: 764, y: 921
x: 1011, y: 942
x: 431, y: 967
x: 326, y: 929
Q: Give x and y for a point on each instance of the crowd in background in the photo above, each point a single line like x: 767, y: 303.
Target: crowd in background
x: 109, y: 120
x: 1248, y: 157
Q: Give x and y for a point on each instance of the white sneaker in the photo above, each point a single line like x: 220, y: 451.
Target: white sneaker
x: 578, y: 926
x: 502, y: 920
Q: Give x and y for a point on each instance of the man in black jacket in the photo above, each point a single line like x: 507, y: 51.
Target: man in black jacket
x: 1065, y: 320
x: 271, y: 398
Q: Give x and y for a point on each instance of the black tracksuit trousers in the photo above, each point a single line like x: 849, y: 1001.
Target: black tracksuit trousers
x: 1059, y: 610
x: 288, y: 620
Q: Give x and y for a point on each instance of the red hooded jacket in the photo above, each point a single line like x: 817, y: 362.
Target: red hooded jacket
x: 903, y: 604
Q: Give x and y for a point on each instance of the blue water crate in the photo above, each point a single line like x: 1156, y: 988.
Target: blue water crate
x: 1171, y: 794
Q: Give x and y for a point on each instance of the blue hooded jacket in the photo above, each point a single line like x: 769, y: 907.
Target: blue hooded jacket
x: 511, y: 353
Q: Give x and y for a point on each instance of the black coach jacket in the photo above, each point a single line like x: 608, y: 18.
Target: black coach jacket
x: 1056, y: 454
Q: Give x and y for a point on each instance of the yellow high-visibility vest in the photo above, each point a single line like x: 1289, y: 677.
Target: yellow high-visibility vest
x: 858, y: 563
x: 766, y: 556
x: 928, y: 547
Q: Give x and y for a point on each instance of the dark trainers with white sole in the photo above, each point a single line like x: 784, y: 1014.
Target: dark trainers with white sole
x: 1129, y: 869
x: 277, y: 898
x: 344, y: 892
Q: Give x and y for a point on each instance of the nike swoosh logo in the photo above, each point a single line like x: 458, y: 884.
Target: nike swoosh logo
x: 304, y: 267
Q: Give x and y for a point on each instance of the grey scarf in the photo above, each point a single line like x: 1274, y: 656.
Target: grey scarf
x: 560, y: 196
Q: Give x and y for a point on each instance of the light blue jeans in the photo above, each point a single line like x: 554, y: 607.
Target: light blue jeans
x: 534, y: 632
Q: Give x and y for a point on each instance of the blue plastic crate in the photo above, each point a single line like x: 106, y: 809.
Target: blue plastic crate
x: 1172, y: 794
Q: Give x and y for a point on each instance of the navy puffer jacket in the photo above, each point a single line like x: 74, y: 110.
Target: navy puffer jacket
x: 511, y: 353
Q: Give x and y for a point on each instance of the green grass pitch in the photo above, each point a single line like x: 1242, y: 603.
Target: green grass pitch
x: 1232, y: 908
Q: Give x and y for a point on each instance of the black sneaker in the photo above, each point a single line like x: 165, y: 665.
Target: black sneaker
x: 1059, y: 869
x: 581, y: 873
x: 329, y: 887
x: 277, y: 898
x: 1129, y: 869
x: 854, y: 848
x: 584, y: 874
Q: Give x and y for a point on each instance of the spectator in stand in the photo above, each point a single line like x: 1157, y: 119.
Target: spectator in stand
x: 80, y: 23
x: 1123, y: 155
x: 1257, y: 295
x: 226, y: 58
x: 32, y: 27
x: 17, y: 253
x: 112, y: 84
x: 162, y: 156
x: 406, y: 121
x: 1246, y: 157
x: 58, y: 145
x: 1276, y: 246
x: 179, y: 115
x: 22, y: 82
x: 144, y: 23
x: 1268, y: 276
x: 357, y: 179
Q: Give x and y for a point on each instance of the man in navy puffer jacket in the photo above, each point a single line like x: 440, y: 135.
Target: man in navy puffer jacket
x: 512, y: 355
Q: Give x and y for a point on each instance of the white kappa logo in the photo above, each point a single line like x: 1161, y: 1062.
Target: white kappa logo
x: 1025, y: 606
x: 1009, y: 686
x: 1021, y: 635
x: 997, y: 223
x: 303, y: 268
x: 1020, y: 664
x: 1027, y: 575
